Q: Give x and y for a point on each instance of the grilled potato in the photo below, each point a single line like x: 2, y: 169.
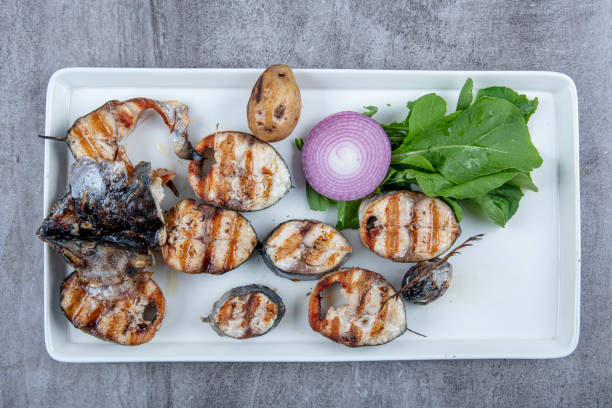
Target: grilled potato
x: 275, y: 104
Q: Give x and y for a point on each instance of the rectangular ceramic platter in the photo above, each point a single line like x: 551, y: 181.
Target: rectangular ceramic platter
x: 515, y: 294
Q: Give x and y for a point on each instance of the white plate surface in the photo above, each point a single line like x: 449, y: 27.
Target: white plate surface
x: 514, y: 295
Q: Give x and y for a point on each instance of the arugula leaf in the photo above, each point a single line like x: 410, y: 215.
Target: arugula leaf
x: 424, y: 111
x: 490, y: 136
x: 348, y: 214
x: 478, y: 186
x: 415, y: 160
x: 465, y: 96
x: 371, y: 110
x: 316, y: 201
x: 526, y: 106
x: 500, y: 204
x: 454, y: 205
x: 523, y: 180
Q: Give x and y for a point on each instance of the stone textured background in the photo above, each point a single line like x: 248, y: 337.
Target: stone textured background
x: 574, y: 37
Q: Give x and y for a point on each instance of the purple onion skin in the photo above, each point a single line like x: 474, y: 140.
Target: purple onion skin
x: 346, y: 156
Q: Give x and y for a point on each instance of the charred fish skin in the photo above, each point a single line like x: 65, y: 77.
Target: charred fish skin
x: 430, y: 287
x: 304, y: 250
x: 246, y: 311
x: 372, y: 316
x: 104, y: 201
x: 130, y: 322
x: 248, y: 174
x: 407, y: 226
x: 206, y: 239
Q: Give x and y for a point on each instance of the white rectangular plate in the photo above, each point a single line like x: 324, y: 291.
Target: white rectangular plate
x: 515, y: 294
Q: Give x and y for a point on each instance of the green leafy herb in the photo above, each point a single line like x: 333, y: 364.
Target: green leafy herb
x: 348, y: 214
x: 424, y: 111
x: 455, y: 207
x: 299, y: 143
x: 316, y: 201
x: 490, y: 136
x: 526, y: 106
x: 371, y: 110
x: 465, y: 96
x: 482, y: 152
x: 500, y: 204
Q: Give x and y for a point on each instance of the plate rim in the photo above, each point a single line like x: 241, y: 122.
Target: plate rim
x: 563, y: 350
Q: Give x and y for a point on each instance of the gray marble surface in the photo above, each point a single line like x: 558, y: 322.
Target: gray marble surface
x: 574, y: 37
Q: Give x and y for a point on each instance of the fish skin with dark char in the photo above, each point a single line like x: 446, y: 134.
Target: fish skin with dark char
x: 107, y: 203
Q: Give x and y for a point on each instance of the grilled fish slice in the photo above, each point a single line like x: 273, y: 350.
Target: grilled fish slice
x: 364, y: 321
x: 304, y: 249
x: 246, y: 311
x: 130, y: 321
x: 106, y: 202
x: 206, y: 239
x: 99, y: 133
x: 407, y: 226
x: 247, y: 175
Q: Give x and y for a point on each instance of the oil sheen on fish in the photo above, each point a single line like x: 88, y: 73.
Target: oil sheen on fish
x: 364, y: 321
x: 304, y: 249
x: 407, y: 226
x: 246, y: 311
x: 104, y: 201
x: 130, y: 321
x: 99, y: 133
x: 247, y: 174
x: 206, y: 239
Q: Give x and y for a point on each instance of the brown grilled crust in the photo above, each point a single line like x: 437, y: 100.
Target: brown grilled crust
x: 217, y: 181
x: 331, y: 329
x: 107, y: 122
x: 200, y: 213
x: 111, y: 320
x: 392, y: 210
x: 226, y: 311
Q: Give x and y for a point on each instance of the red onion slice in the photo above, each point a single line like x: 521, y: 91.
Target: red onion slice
x: 346, y: 156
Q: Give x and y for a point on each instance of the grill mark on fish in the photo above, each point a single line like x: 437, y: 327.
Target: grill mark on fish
x: 247, y: 178
x: 291, y: 244
x: 428, y: 230
x: 362, y: 327
x: 239, y: 179
x: 251, y: 307
x: 219, y: 239
x: 392, y: 212
x: 434, y: 240
x: 114, y: 320
x: 233, y: 243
